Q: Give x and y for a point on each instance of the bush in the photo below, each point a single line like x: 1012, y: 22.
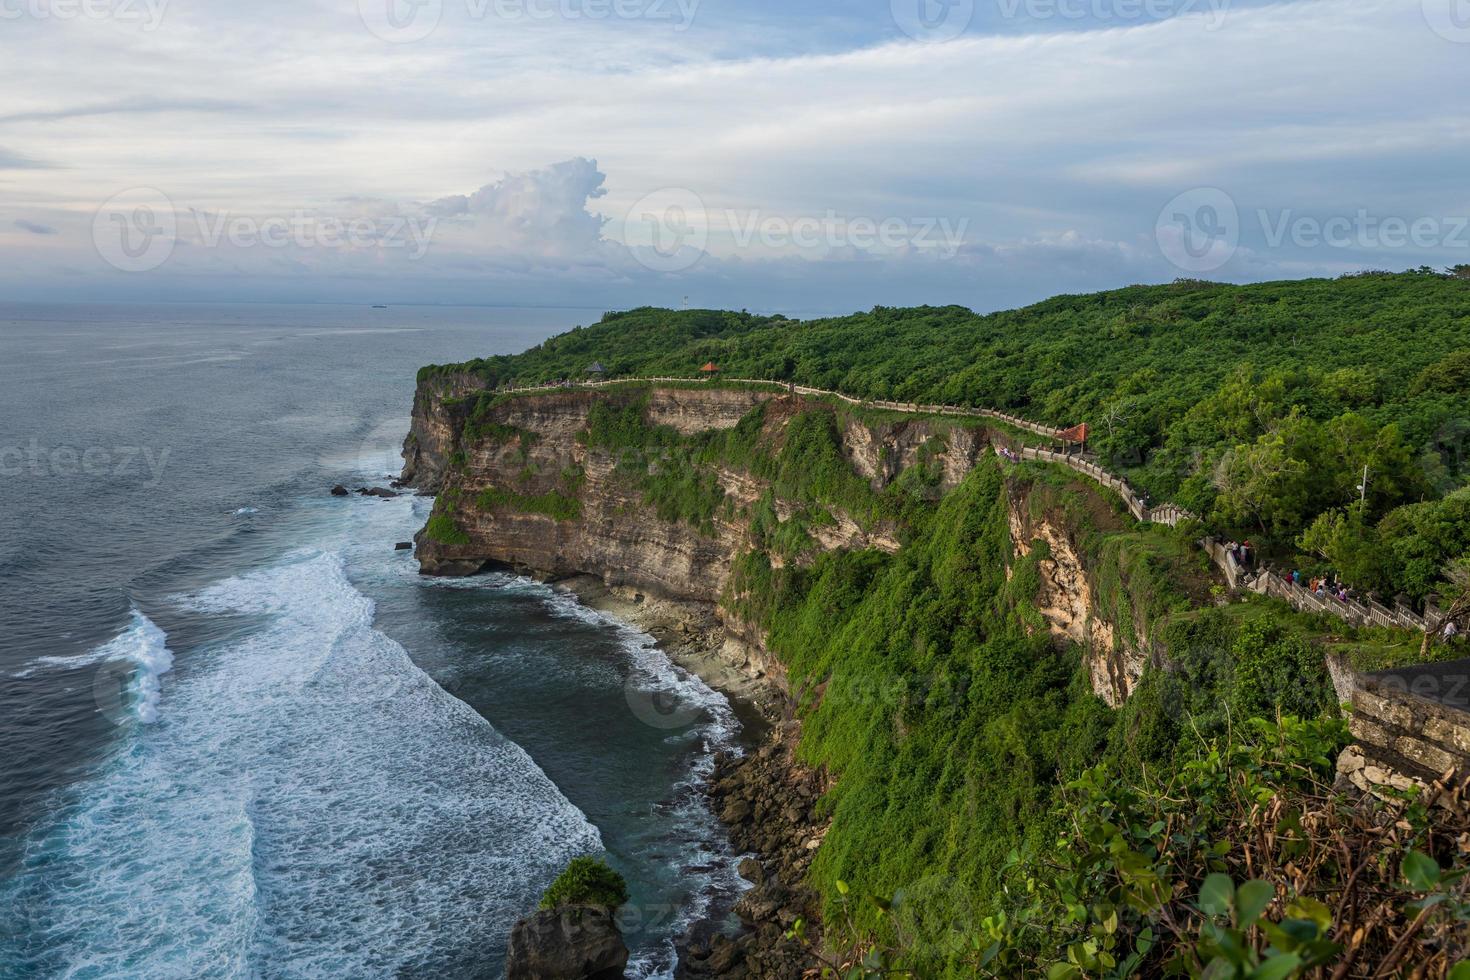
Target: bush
x: 586, y: 881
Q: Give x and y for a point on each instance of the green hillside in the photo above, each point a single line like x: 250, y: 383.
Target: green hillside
x: 1256, y: 406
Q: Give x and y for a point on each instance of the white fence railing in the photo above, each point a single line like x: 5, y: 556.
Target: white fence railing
x: 1266, y: 582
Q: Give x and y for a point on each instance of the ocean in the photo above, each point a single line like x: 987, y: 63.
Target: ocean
x: 240, y: 736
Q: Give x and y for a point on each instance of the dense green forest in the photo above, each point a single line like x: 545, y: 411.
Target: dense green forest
x: 1256, y: 406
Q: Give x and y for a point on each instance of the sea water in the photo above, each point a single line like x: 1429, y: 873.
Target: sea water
x: 240, y: 736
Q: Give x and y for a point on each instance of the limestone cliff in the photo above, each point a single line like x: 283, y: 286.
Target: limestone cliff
x: 1114, y: 631
x: 520, y: 485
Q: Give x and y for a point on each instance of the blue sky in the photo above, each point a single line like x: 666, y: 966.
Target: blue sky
x: 800, y: 157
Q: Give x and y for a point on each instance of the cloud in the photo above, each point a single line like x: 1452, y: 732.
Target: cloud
x: 541, y: 212
x: 140, y: 106
x: 14, y: 161
x: 33, y: 228
x: 1056, y: 146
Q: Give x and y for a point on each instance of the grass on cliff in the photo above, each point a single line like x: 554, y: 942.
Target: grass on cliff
x: 953, y: 724
x: 1256, y: 406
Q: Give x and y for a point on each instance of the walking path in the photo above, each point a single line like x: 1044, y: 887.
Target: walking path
x: 1262, y: 581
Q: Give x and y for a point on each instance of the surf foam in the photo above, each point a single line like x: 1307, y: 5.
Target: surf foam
x: 311, y: 804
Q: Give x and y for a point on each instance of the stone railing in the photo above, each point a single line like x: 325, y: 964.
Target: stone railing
x: 1405, y: 736
x: 1359, y: 612
x: 1170, y: 514
x: 917, y: 408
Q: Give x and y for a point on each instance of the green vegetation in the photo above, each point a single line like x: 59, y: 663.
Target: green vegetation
x: 553, y: 503
x: 586, y: 881
x: 1257, y: 406
x: 442, y: 526
x: 963, y: 744
x: 990, y: 815
x: 1210, y: 869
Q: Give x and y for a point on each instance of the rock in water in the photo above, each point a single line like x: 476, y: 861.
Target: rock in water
x: 575, y: 942
x: 339, y: 491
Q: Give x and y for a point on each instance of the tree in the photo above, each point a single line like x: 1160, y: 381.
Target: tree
x: 1272, y: 481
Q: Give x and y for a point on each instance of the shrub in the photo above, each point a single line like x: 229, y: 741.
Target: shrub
x: 586, y: 881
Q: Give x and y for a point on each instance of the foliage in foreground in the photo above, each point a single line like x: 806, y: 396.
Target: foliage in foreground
x: 1242, y: 863
x: 586, y: 881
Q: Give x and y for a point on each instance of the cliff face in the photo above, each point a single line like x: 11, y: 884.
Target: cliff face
x: 521, y: 485
x: 440, y: 407
x: 537, y: 450
x: 1070, y: 602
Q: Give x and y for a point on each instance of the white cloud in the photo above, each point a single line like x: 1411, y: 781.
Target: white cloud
x: 1052, y: 148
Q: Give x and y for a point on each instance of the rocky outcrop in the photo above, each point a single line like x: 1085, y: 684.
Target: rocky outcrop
x: 575, y: 942
x: 769, y: 802
x: 537, y: 446
x: 440, y: 406
x: 1068, y: 601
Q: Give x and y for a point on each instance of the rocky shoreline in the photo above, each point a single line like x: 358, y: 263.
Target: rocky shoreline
x: 766, y: 799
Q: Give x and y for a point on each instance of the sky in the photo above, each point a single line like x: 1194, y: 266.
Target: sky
x: 796, y: 157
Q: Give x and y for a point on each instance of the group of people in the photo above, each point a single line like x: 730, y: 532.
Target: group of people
x: 1243, y: 553
x: 1324, y: 588
x: 1008, y: 454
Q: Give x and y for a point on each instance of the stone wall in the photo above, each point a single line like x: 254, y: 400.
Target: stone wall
x: 1402, y: 739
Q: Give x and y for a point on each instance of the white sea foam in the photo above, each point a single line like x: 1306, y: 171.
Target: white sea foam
x: 311, y: 804
x: 143, y: 646
x: 692, y: 711
x: 245, y: 511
